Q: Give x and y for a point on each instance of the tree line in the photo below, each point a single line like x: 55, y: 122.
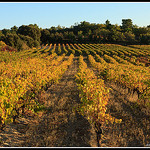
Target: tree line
x: 28, y: 36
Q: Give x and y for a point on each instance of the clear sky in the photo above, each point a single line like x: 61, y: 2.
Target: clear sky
x: 48, y: 14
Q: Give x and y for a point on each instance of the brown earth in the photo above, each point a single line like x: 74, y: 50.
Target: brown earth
x: 59, y: 125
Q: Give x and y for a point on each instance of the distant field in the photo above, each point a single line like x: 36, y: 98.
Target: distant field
x: 78, y: 95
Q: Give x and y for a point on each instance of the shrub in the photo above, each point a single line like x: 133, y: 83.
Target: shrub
x: 2, y: 43
x: 8, y: 48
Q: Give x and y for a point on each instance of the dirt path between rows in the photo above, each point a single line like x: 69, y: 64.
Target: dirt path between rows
x: 59, y: 126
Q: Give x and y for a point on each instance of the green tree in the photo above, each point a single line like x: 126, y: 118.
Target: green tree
x: 36, y: 43
x: 127, y: 25
x: 14, y: 40
x: 103, y: 35
x: 71, y: 37
x: 140, y: 30
x: 108, y: 25
x: 1, y: 35
x: 129, y: 38
x: 58, y: 27
x: 52, y: 38
x: 45, y: 36
x: 14, y: 29
x: 58, y: 37
x: 52, y: 29
x: 5, y: 31
x: 27, y: 40
x: 145, y: 38
x: 30, y: 30
x: 117, y: 37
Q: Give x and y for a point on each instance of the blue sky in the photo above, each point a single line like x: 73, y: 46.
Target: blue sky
x: 48, y: 14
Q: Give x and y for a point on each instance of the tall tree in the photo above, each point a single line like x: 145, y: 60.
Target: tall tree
x: 127, y: 25
x: 15, y: 41
x: 45, y: 36
x: 30, y: 30
x: 14, y: 29
x: 5, y: 31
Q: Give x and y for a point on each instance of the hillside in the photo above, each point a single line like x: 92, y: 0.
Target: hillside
x: 42, y: 90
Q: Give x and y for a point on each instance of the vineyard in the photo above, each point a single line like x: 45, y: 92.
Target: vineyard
x: 75, y: 95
